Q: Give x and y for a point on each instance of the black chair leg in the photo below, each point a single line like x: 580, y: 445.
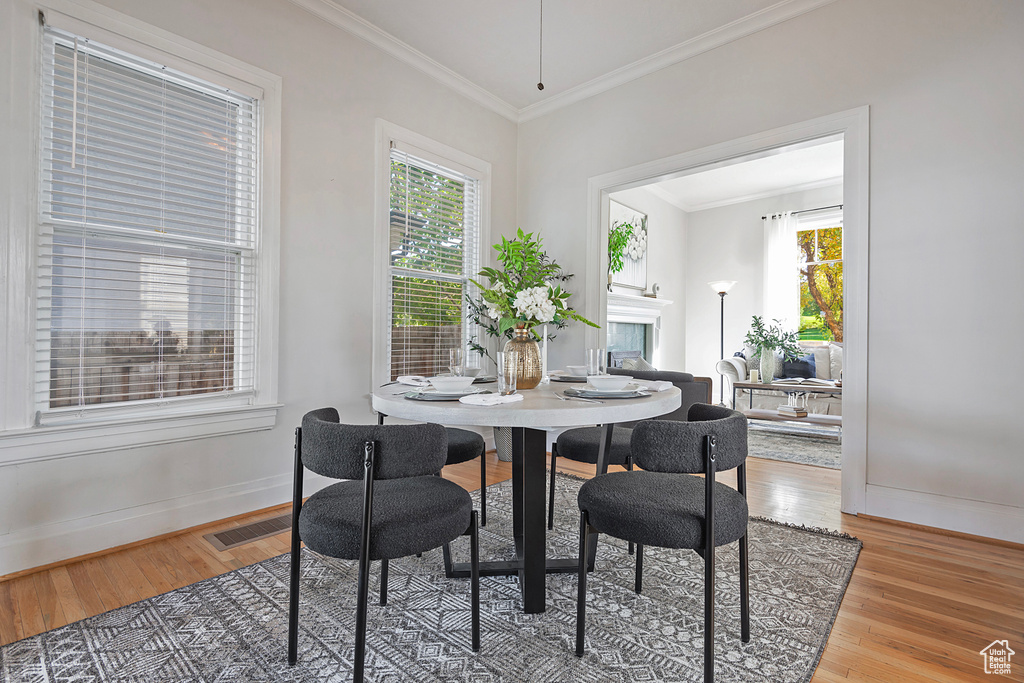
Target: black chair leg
x: 638, y: 583
x: 383, y: 583
x: 629, y: 467
x: 293, y: 611
x: 710, y: 467
x: 449, y: 568
x: 744, y: 592
x: 741, y: 486
x: 551, y: 491
x: 483, y: 488
x: 296, y: 549
x: 474, y: 577
x: 363, y: 588
x: 581, y: 597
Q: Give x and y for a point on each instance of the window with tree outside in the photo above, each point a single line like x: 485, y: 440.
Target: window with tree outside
x: 820, y: 267
x: 433, y: 245
x: 148, y: 236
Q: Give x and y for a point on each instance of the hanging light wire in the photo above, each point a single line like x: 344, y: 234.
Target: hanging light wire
x: 540, y: 67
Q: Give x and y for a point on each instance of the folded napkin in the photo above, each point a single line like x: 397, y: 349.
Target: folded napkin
x: 414, y: 381
x: 489, y: 399
x: 659, y: 385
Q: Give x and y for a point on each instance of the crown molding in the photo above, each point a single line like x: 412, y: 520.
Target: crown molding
x: 758, y: 21
x: 346, y: 20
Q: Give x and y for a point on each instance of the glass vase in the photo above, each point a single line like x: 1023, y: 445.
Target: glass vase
x: 529, y: 358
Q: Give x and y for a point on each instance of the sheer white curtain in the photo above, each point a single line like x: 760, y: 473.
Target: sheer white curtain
x: 781, y: 284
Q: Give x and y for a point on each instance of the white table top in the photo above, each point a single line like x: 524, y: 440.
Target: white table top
x: 539, y: 408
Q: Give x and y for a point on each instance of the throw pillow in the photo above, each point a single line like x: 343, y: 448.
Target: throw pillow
x: 821, y: 362
x: 753, y: 359
x: 835, y: 359
x: 801, y: 367
x: 637, y: 364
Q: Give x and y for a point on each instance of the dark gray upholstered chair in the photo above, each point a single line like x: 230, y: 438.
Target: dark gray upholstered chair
x: 392, y: 505
x: 464, y: 445
x: 582, y: 444
x: 665, y: 506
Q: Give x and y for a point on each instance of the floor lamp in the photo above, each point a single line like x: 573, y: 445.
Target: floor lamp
x: 722, y: 287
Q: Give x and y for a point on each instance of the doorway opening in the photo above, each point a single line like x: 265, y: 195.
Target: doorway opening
x: 714, y: 217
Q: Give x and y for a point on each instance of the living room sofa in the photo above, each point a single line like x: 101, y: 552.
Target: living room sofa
x: 828, y: 365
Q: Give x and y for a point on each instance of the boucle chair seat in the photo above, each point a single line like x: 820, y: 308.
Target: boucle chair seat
x: 665, y: 510
x: 410, y: 516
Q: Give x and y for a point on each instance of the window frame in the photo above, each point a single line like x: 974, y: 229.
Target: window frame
x: 22, y: 437
x: 431, y: 150
x: 821, y: 220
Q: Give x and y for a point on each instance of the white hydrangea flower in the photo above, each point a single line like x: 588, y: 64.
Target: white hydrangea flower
x: 534, y: 303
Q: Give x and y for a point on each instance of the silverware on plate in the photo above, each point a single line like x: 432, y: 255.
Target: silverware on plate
x: 576, y: 398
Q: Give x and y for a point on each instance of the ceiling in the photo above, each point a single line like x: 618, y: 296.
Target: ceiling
x: 792, y: 169
x: 492, y: 45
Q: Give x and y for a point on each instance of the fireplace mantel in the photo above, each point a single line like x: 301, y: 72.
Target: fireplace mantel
x: 643, y: 310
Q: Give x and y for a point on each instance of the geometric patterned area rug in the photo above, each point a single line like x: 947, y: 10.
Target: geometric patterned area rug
x: 800, y: 448
x: 233, y: 627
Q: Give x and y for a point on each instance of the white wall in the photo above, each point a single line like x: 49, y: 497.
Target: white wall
x: 666, y: 258
x: 942, y: 80
x: 727, y: 243
x: 334, y: 88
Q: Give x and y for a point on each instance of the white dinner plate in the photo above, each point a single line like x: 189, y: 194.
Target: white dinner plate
x: 628, y: 389
x: 435, y: 395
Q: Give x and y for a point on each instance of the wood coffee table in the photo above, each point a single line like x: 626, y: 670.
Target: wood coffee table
x: 767, y: 414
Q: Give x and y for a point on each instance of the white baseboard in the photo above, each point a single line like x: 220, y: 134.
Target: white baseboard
x: 1003, y: 522
x: 37, y: 546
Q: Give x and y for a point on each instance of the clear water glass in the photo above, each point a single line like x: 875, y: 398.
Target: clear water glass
x: 455, y: 362
x: 508, y: 372
x: 596, y: 362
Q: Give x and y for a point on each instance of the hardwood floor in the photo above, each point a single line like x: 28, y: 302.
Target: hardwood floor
x: 920, y: 606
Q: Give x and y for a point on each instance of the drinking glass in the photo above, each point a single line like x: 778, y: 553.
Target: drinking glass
x: 455, y: 362
x: 508, y: 371
x: 596, y: 363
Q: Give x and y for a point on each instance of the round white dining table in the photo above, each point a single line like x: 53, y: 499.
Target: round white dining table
x: 541, y: 408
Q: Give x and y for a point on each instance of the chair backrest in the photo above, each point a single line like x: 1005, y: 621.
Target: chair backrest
x: 684, y: 380
x: 669, y: 446
x: 337, y: 450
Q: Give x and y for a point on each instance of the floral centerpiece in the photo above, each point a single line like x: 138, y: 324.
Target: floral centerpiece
x: 524, y: 293
x: 768, y: 340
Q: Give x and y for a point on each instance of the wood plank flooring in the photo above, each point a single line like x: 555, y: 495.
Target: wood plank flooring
x: 920, y: 606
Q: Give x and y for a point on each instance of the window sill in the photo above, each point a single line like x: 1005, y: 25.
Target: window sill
x: 50, y: 443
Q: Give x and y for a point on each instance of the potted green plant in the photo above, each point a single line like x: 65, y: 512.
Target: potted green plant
x: 524, y: 293
x: 769, y: 339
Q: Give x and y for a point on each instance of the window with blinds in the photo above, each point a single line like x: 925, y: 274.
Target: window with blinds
x: 434, y: 233
x: 148, y: 232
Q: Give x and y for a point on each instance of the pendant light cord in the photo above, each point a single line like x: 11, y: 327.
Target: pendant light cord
x: 540, y: 67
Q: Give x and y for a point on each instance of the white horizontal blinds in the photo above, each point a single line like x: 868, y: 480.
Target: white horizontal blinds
x: 433, y: 250
x: 148, y: 233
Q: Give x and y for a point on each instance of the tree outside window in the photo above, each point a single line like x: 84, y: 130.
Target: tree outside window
x: 821, y: 284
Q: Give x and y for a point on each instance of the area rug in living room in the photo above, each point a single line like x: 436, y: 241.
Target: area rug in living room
x: 233, y: 627
x: 814, y: 448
